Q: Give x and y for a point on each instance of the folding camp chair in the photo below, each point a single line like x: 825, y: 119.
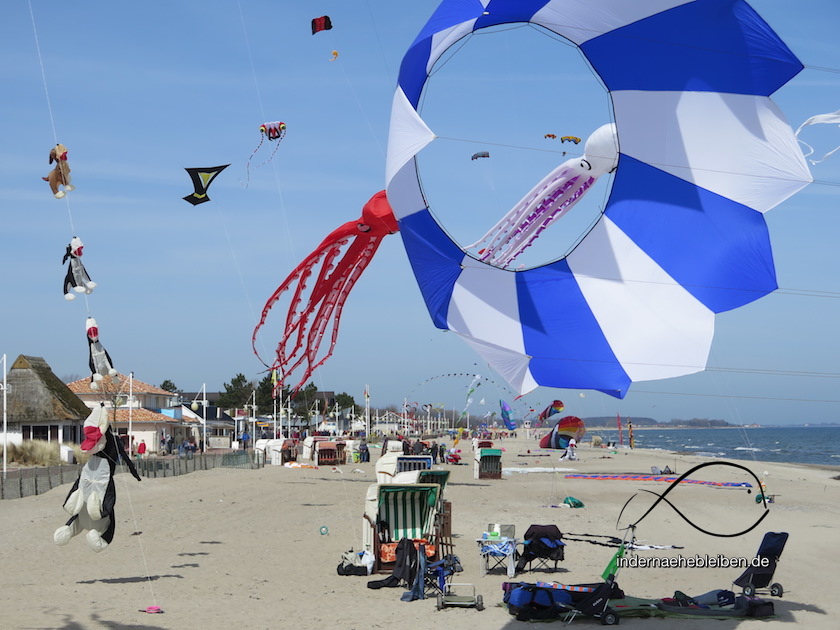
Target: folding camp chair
x: 544, y: 545
x: 439, y: 574
x: 497, y: 549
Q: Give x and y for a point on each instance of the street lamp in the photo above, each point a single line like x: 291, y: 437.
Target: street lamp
x: 194, y: 407
x: 254, y: 417
x: 130, y: 407
x: 5, y: 432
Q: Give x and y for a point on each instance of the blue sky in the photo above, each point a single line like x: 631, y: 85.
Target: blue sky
x: 138, y: 92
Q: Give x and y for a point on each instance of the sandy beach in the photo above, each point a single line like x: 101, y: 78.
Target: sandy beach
x: 243, y: 548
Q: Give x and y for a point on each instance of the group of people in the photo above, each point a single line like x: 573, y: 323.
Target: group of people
x: 438, y: 452
x: 187, y: 448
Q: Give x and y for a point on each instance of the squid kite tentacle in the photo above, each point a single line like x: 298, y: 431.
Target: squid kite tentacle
x: 330, y: 313
x: 312, y: 311
x: 328, y: 293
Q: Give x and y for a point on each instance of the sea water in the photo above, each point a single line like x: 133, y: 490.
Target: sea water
x: 800, y: 445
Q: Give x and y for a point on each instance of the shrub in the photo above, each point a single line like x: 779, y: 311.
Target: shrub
x: 41, y: 453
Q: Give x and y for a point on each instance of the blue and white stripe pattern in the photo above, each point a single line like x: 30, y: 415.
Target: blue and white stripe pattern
x: 703, y: 153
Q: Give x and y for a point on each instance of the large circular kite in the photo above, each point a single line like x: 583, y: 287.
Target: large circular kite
x: 703, y: 153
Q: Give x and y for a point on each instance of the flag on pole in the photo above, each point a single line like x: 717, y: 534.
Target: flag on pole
x: 612, y: 567
x: 620, y: 434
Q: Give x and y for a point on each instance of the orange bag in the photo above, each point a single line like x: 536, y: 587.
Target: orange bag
x: 388, y: 551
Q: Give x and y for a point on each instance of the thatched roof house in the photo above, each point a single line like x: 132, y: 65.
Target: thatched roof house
x: 40, y: 406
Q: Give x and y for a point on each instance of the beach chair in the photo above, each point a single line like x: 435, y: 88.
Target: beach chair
x: 386, y: 466
x: 758, y: 577
x: 397, y: 511
x: 327, y: 453
x: 544, y: 545
x: 488, y: 463
x: 413, y: 462
x: 498, y: 549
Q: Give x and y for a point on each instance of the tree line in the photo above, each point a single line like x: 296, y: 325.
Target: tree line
x: 239, y: 394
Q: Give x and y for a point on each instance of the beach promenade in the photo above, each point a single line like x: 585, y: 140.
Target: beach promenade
x: 229, y: 548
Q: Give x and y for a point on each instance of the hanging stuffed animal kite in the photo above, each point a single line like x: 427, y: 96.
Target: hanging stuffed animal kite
x: 60, y: 175
x: 77, y: 278
x: 92, y: 498
x: 308, y: 318
x: 100, y: 362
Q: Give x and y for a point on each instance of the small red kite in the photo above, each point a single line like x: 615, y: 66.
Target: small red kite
x: 322, y: 23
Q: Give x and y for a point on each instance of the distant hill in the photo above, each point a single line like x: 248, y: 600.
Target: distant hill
x: 608, y: 422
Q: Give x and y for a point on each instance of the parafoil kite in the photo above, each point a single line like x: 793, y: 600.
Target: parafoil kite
x: 566, y: 428
x: 274, y: 132
x: 323, y: 23
x: 551, y: 135
x: 310, y: 316
x: 555, y: 407
x: 682, y: 236
x: 480, y: 154
x: 201, y: 179
x: 574, y: 139
x: 510, y: 423
x: 554, y: 196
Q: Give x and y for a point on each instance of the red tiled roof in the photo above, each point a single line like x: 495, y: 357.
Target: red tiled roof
x: 82, y: 386
x: 143, y: 416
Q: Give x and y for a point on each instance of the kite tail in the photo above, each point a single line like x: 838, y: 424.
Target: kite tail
x: 276, y: 146
x: 248, y: 163
x: 532, y: 231
x: 297, y: 319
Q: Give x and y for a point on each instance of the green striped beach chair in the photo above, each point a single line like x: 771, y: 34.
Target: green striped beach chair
x: 397, y: 511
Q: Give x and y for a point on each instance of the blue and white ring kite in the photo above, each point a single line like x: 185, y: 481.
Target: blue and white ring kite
x: 683, y: 234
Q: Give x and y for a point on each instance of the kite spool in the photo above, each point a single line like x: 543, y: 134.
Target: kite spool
x: 324, y: 530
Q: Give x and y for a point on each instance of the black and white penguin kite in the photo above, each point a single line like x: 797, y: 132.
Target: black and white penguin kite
x: 99, y: 360
x: 77, y: 279
x: 92, y: 498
